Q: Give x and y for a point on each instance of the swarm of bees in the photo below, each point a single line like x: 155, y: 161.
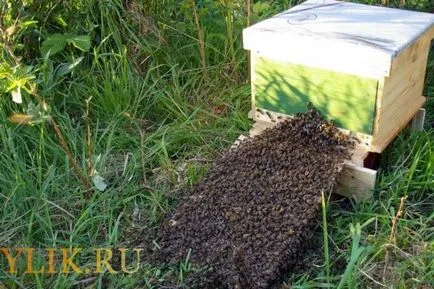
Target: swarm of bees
x: 250, y: 218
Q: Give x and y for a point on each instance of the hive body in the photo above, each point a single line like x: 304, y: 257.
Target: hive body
x: 287, y: 88
x: 362, y: 66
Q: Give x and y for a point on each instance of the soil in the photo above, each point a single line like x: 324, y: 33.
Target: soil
x: 251, y: 217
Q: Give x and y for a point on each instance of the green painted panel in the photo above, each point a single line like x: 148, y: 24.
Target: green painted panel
x: 287, y: 88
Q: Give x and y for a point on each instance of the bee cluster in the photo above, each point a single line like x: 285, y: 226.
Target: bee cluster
x: 251, y: 216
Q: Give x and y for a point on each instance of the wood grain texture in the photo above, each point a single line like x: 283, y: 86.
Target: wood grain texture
x: 418, y: 120
x: 356, y: 182
x: 400, y: 94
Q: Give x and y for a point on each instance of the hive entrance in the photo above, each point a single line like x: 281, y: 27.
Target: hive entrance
x: 250, y: 217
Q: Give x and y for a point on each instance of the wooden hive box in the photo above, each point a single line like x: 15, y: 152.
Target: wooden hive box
x: 362, y: 66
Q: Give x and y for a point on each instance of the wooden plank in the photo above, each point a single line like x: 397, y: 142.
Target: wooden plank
x: 400, y: 95
x: 396, y: 118
x: 259, y: 126
x: 239, y: 140
x: 407, y: 69
x: 356, y: 182
x: 399, y: 106
x: 260, y: 114
x: 360, y: 152
x: 413, y: 51
x: 411, y: 74
x: 288, y: 88
x: 418, y: 120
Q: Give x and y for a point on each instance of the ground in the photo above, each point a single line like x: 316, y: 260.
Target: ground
x: 146, y: 97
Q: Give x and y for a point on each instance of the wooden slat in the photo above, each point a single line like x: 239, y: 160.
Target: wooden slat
x: 356, y: 182
x: 237, y: 142
x: 401, y: 82
x: 418, y: 120
x: 395, y: 119
x: 359, y: 154
x: 259, y: 126
x: 400, y: 95
x: 413, y: 52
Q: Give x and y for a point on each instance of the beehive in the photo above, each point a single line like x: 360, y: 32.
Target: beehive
x: 362, y: 66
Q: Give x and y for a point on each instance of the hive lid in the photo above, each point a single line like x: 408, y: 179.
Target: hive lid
x: 346, y: 37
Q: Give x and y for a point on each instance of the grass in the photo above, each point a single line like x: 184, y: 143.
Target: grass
x: 158, y: 117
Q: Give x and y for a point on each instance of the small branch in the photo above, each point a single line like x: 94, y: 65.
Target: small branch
x: 142, y: 155
x: 8, y: 47
x: 64, y: 145
x: 84, y: 281
x: 89, y: 146
x: 249, y: 16
x: 249, y: 12
x: 392, y: 237
x: 230, y: 31
x: 68, y: 153
x: 6, y: 38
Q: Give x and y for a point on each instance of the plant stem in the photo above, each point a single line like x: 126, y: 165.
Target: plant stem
x: 249, y: 15
x: 68, y: 153
x: 392, y: 237
x: 249, y: 12
x: 201, y: 39
x: 230, y: 30
x: 89, y: 146
x: 325, y: 236
x: 65, y: 147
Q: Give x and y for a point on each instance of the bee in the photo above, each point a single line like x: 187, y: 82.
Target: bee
x: 259, y: 201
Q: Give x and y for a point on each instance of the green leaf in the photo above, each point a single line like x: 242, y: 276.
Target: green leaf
x: 59, y: 19
x: 26, y: 24
x: 66, y: 68
x: 5, y: 70
x: 81, y: 42
x: 356, y: 252
x: 33, y: 110
x: 181, y: 27
x: 39, y: 112
x: 260, y: 7
x: 54, y: 44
